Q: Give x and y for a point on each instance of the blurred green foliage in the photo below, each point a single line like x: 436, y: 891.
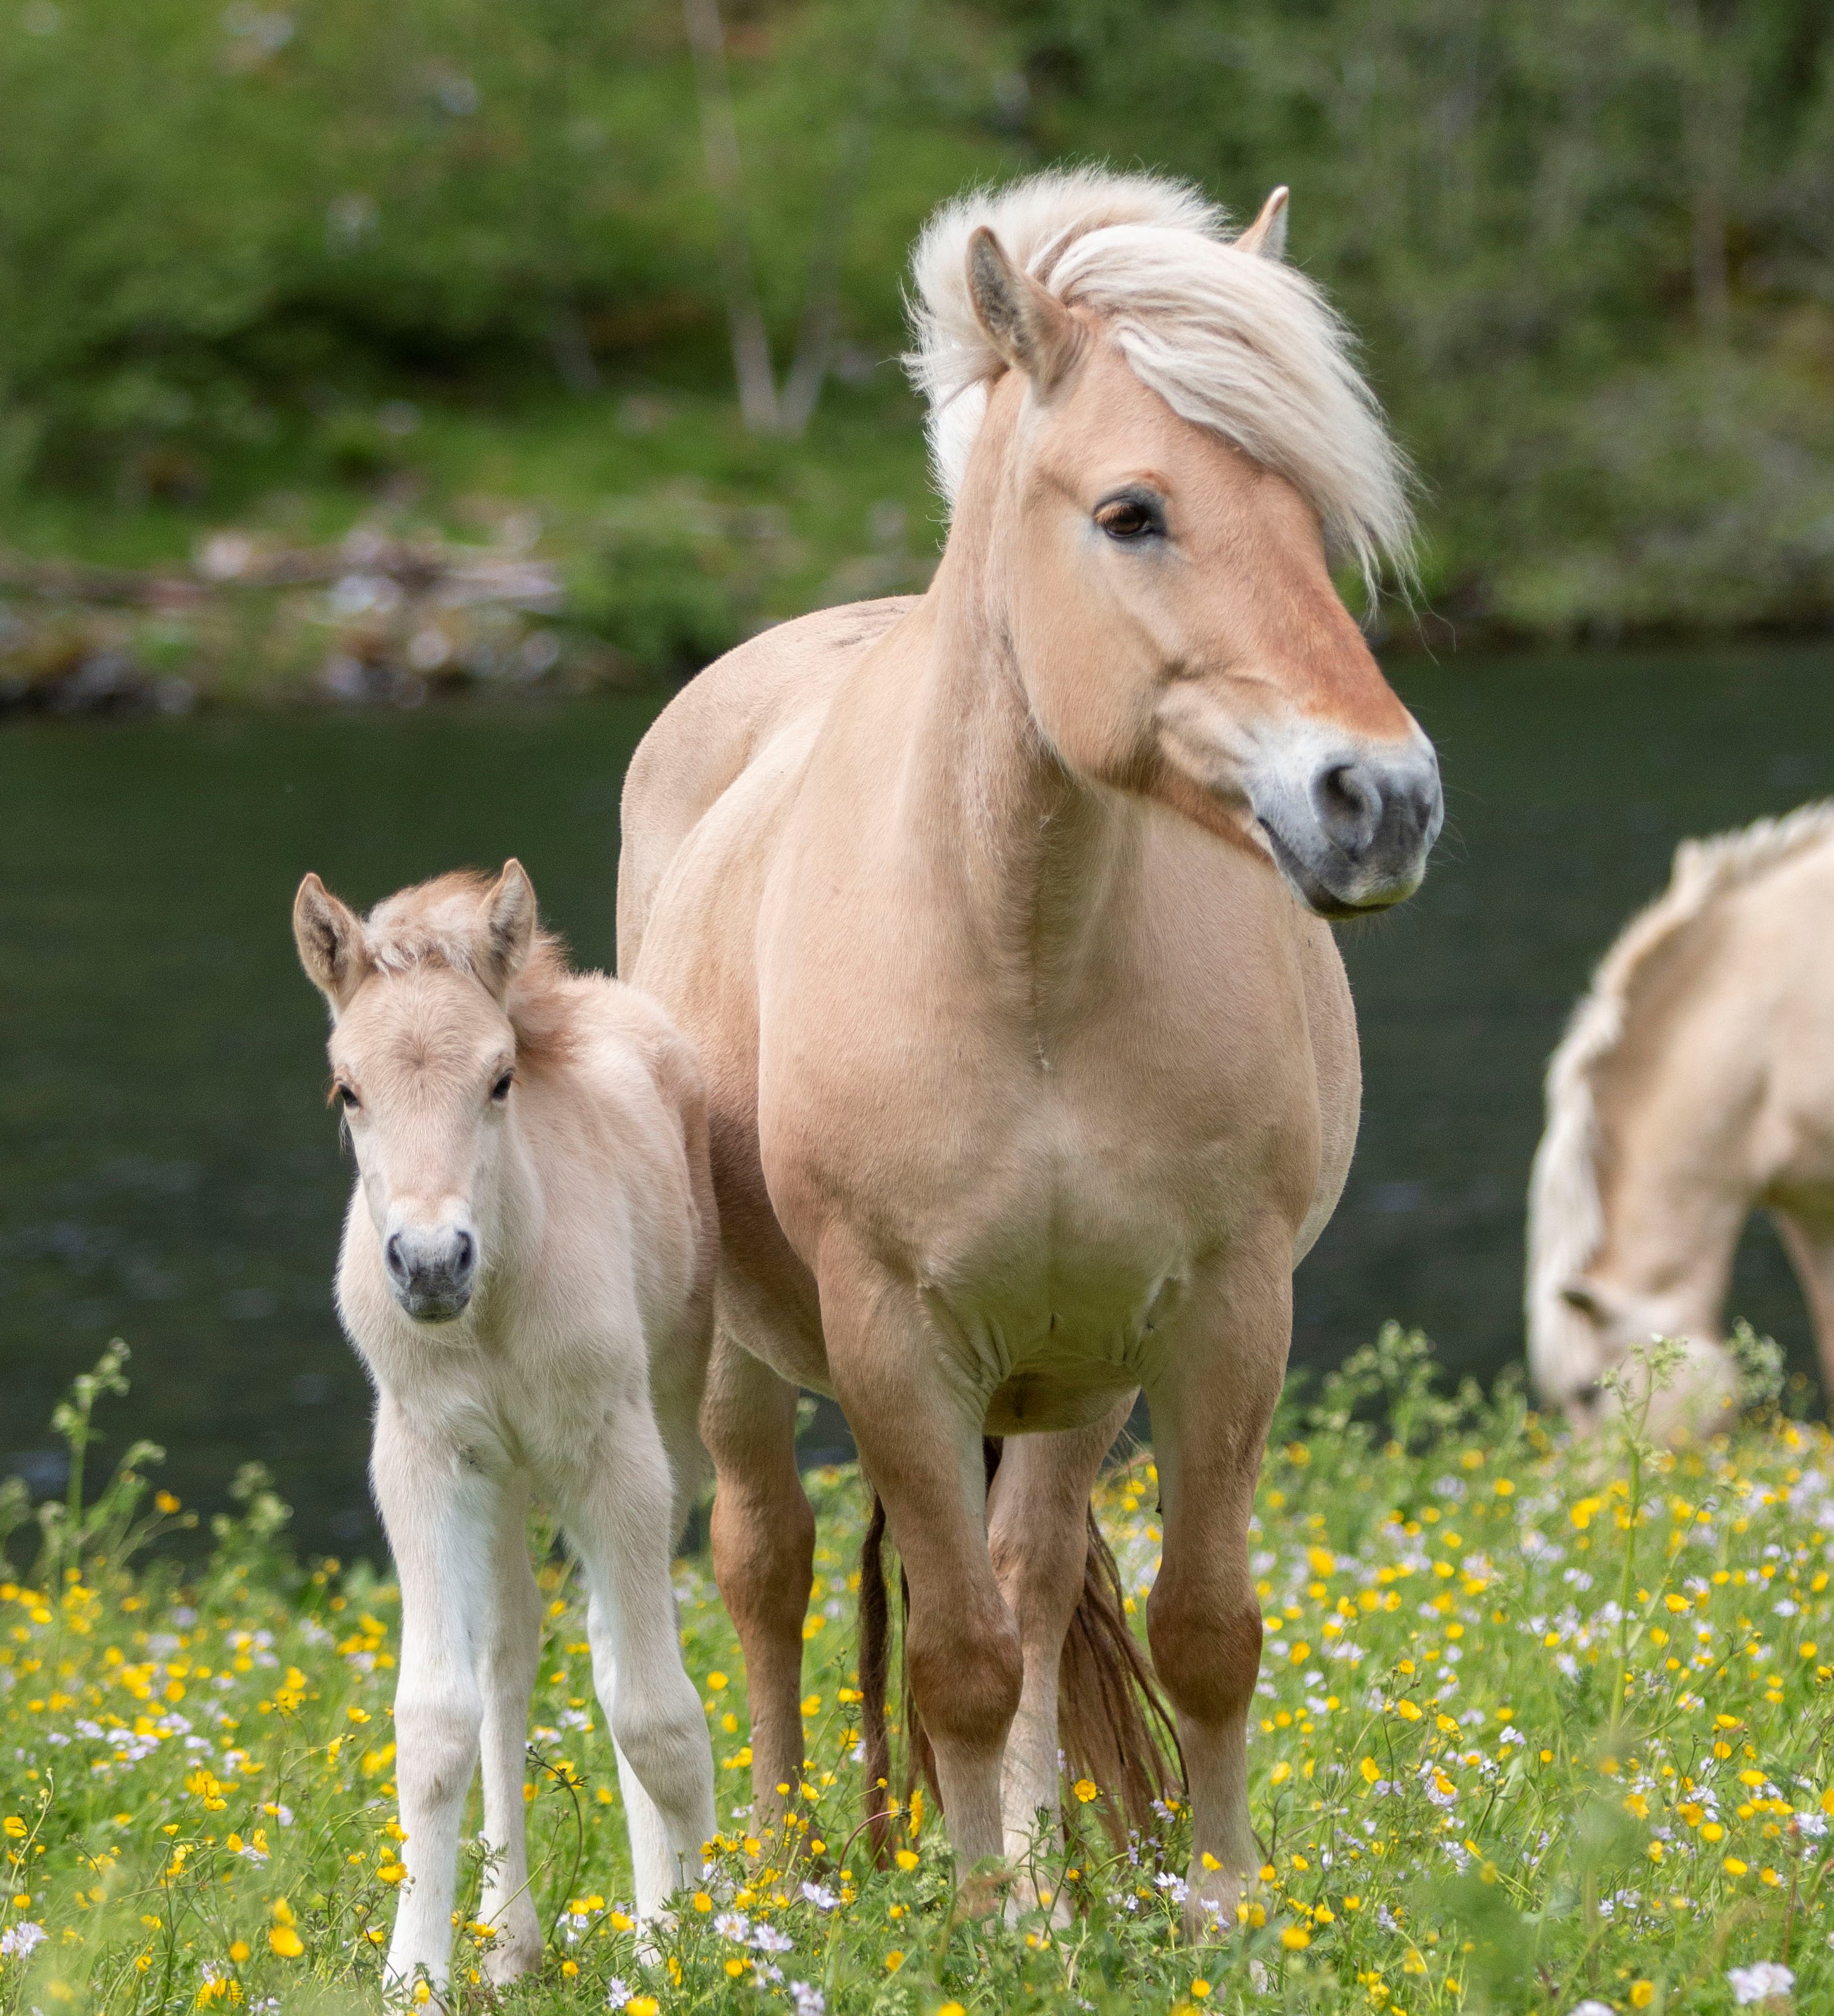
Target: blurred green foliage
x: 1590, y: 245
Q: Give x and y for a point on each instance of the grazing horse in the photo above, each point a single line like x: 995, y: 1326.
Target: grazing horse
x: 1694, y: 1085
x: 527, y: 1271
x: 996, y: 915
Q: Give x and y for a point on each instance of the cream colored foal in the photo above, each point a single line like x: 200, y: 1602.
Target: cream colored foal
x: 526, y: 1270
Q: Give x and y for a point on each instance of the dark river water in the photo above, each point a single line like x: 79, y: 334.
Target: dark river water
x: 169, y: 1173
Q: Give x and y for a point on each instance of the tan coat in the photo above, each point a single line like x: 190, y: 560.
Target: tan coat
x: 1029, y: 1079
x: 526, y: 1270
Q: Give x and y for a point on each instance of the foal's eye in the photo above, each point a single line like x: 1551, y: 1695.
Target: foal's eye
x: 347, y: 1099
x: 1131, y: 515
x: 500, y: 1091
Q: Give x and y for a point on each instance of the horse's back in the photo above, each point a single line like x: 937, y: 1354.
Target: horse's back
x: 710, y: 734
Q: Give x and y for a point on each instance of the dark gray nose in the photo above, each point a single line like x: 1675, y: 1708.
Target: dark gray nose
x: 1381, y: 816
x: 432, y: 1269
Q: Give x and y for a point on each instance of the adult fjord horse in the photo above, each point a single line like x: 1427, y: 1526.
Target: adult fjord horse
x: 1029, y: 1080
x: 1693, y: 1086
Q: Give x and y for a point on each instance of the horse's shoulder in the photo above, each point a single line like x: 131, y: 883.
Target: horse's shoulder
x: 712, y: 732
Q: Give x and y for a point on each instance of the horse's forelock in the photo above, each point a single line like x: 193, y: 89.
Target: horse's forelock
x: 441, y: 923
x: 1231, y: 340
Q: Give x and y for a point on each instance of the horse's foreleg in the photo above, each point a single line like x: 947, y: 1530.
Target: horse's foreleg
x: 763, y: 1539
x: 440, y: 1517
x: 1037, y: 1530
x: 620, y: 1524
x: 918, y: 1421
x: 1211, y: 1402
x: 511, y: 1649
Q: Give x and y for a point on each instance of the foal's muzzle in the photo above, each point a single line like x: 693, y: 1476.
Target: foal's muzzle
x: 1352, y: 832
x: 432, y: 1270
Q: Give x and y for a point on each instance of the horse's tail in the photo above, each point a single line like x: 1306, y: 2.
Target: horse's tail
x: 875, y: 1671
x: 1113, y: 1725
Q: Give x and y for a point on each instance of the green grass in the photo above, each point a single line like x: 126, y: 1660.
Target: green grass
x: 1539, y: 1724
x: 674, y: 532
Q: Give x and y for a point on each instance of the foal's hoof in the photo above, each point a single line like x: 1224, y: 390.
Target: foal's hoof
x: 510, y: 1956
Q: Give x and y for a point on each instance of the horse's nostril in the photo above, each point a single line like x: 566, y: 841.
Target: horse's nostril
x: 1348, y: 802
x: 395, y: 1259
x: 464, y: 1252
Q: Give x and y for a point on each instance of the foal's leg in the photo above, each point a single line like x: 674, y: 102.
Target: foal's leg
x: 764, y: 1535
x: 620, y: 1525
x: 1211, y: 1402
x: 1037, y: 1530
x: 441, y: 1518
x: 511, y: 1648
x: 917, y: 1416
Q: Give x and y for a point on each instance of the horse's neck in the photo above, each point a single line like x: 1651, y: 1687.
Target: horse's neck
x: 521, y: 1205
x: 1034, y: 855
x: 1674, y: 1164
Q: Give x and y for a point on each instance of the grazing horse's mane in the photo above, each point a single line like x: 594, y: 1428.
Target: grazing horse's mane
x: 1565, y: 1214
x: 1228, y: 338
x: 438, y: 923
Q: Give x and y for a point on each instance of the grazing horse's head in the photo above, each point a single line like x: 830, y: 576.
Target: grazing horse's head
x: 1158, y: 439
x: 423, y: 1054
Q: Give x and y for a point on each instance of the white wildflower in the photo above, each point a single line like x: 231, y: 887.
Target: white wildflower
x: 1758, y: 1982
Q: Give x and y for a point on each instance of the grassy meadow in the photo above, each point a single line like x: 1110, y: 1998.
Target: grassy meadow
x: 1541, y: 1726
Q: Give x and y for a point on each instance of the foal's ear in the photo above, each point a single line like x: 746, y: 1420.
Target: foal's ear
x: 1031, y: 328
x: 507, y: 929
x: 1267, y: 234
x: 330, y: 941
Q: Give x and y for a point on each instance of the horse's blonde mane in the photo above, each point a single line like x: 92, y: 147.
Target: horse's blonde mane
x: 437, y: 923
x: 1565, y: 1214
x: 1229, y: 339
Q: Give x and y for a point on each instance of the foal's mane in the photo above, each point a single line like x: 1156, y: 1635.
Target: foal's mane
x: 1229, y: 339
x: 1565, y: 1216
x: 439, y: 923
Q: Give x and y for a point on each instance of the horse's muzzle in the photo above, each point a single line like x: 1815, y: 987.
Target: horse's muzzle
x: 1353, y: 836
x: 432, y: 1270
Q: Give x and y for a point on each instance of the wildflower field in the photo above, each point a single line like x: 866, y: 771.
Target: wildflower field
x: 1541, y: 1726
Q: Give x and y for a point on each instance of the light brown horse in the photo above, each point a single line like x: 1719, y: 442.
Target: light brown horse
x: 526, y: 1270
x: 1695, y: 1085
x: 996, y: 916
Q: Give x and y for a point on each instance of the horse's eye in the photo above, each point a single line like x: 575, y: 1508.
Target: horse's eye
x: 1130, y: 517
x: 500, y: 1091
x: 347, y: 1099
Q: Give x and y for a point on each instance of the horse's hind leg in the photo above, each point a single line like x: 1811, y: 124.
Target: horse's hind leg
x: 1038, y: 1531
x: 512, y: 1649
x: 764, y: 1538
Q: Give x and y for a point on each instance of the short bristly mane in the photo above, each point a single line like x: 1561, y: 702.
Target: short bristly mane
x: 1230, y: 340
x: 1565, y: 1214
x: 437, y: 922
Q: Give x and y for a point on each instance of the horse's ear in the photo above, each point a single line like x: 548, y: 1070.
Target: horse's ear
x: 1266, y: 236
x: 1031, y: 328
x: 1583, y: 1295
x: 508, y: 929
x: 330, y: 942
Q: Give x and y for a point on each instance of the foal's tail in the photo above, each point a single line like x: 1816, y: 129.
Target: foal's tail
x: 1113, y: 1724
